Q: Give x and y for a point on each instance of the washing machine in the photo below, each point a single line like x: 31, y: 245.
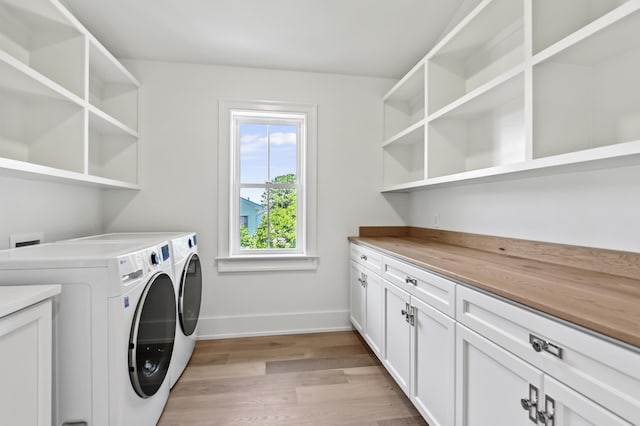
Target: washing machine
x: 187, y: 275
x: 114, y: 327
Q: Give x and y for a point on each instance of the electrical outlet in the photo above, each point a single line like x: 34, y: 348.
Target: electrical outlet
x: 436, y: 220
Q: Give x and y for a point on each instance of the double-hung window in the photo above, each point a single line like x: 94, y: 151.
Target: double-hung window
x: 268, y: 184
x: 270, y: 212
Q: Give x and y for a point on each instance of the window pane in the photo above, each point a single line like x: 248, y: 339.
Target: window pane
x: 282, y: 230
x: 253, y: 153
x: 284, y: 152
x: 252, y: 213
x: 270, y: 223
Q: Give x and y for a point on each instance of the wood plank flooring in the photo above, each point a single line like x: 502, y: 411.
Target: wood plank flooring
x: 302, y: 379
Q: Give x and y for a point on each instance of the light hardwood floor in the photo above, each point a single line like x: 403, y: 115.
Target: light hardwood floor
x: 302, y: 379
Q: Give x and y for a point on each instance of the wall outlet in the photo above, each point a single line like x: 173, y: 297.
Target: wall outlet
x: 436, y: 220
x: 21, y: 240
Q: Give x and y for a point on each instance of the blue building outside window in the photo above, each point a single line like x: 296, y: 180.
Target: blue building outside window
x: 250, y: 215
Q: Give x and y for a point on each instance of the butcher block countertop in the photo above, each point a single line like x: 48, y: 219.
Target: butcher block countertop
x: 594, y: 288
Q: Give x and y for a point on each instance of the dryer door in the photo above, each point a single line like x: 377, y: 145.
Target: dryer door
x: 190, y: 295
x: 152, y: 335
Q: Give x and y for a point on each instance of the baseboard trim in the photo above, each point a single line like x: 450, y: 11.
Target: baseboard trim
x: 222, y: 327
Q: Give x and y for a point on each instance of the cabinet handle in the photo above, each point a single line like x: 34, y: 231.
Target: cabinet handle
x: 546, y: 417
x: 363, y: 257
x: 410, y: 280
x: 531, y: 404
x: 409, y: 314
x: 405, y: 312
x: 540, y: 345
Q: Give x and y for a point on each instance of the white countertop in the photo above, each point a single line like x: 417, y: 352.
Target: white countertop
x: 14, y: 298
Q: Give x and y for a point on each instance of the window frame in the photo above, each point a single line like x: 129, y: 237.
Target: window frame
x: 231, y: 260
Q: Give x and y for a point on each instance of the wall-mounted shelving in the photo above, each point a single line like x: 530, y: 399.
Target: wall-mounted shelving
x: 51, y: 126
x: 487, y: 131
x: 517, y: 87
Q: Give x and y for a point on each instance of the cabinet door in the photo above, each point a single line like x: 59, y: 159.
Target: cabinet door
x: 432, y: 364
x: 373, y: 312
x: 357, y: 297
x: 490, y: 383
x: 569, y: 408
x: 397, y: 335
x: 25, y: 348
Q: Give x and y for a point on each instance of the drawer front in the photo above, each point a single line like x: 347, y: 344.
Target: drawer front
x: 367, y: 257
x: 430, y: 288
x: 604, y: 372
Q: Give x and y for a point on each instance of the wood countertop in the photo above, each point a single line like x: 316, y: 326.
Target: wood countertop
x: 589, y: 296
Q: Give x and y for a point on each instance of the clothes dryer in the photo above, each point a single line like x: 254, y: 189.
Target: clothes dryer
x: 187, y: 276
x: 114, y: 327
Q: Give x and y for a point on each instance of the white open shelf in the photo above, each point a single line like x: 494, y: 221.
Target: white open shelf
x: 39, y: 35
x: 113, y: 151
x: 403, y: 160
x: 554, y: 20
x: 586, y: 96
x: 111, y: 87
x: 404, y: 104
x: 45, y: 109
x: 486, y: 44
x: 487, y: 131
x: 512, y: 90
x: 41, y: 129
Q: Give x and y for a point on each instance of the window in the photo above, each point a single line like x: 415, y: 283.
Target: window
x: 267, y: 192
x: 268, y: 181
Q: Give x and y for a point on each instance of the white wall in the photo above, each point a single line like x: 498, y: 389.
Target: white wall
x: 60, y: 211
x: 179, y: 132
x: 599, y: 208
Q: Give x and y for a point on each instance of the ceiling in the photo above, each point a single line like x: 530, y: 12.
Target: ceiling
x: 381, y: 38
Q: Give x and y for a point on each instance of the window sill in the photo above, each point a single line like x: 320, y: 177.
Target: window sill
x: 262, y: 263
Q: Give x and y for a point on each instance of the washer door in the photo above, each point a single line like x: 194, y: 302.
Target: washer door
x: 190, y: 295
x: 152, y: 335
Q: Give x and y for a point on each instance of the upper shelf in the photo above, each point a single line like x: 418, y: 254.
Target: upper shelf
x: 38, y: 34
x: 489, y: 42
x: 513, y: 90
x: 404, y: 103
x: 57, y: 81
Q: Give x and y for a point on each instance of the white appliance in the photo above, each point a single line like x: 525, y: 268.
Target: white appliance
x: 114, y: 327
x: 187, y: 277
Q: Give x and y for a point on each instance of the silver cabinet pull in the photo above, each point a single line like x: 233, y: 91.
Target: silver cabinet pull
x: 405, y: 311
x: 547, y: 417
x: 410, y: 280
x: 409, y: 313
x: 363, y: 257
x: 531, y: 404
x: 538, y: 344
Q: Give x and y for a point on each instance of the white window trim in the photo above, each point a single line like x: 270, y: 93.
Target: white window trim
x: 230, y: 261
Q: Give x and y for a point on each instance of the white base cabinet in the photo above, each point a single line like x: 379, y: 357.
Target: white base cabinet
x: 26, y: 353
x: 467, y: 358
x: 419, y: 344
x: 599, y: 370
x: 491, y: 383
x: 357, y: 297
x: 432, y: 364
x: 366, y: 297
x: 397, y: 335
x: 495, y: 387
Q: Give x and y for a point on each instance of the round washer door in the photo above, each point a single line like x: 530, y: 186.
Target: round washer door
x: 152, y: 336
x: 190, y: 295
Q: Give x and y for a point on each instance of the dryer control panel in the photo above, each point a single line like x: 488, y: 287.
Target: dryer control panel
x: 131, y: 267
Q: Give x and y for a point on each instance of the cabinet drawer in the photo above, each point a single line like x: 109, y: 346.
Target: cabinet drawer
x: 430, y: 288
x: 604, y: 372
x: 367, y: 257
